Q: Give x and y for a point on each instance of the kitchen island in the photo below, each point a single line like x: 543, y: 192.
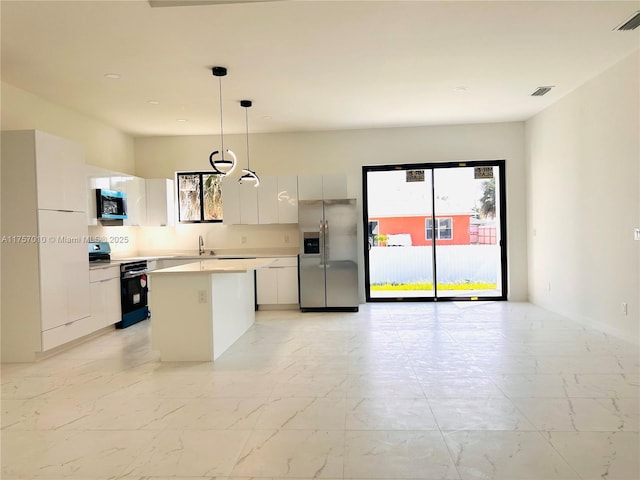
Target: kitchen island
x: 200, y: 309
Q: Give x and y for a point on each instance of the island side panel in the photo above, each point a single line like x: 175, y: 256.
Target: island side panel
x: 233, y: 308
x: 181, y: 320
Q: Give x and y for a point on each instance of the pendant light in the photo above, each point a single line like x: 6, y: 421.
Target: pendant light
x: 248, y: 175
x: 222, y: 166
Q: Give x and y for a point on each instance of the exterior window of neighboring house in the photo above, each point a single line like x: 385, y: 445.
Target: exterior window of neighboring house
x: 444, y: 228
x: 199, y: 197
x: 373, y: 232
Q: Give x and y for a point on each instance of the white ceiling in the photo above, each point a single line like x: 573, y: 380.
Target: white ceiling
x: 308, y: 65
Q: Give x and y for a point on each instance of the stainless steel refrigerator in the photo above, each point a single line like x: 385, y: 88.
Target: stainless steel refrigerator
x: 328, y: 264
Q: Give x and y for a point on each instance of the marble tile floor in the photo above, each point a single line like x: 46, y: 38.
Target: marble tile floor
x: 420, y: 391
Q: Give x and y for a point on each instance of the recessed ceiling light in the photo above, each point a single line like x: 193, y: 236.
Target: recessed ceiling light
x: 182, y: 120
x: 267, y: 117
x: 113, y: 76
x: 461, y: 89
x: 153, y: 102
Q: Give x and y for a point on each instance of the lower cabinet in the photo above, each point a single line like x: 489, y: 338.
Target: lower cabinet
x: 105, y: 296
x: 277, y: 284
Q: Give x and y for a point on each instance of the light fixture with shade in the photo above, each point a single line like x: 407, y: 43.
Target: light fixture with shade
x: 222, y: 166
x: 248, y: 175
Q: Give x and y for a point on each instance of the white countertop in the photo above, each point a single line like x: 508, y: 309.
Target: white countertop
x: 217, y: 266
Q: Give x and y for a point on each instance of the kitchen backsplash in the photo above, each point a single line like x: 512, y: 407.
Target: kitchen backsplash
x: 184, y: 237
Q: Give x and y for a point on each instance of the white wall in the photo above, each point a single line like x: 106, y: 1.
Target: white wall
x: 104, y: 145
x: 346, y: 151
x: 583, y: 184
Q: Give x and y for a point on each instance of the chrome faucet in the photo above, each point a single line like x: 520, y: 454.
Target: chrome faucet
x: 200, y: 245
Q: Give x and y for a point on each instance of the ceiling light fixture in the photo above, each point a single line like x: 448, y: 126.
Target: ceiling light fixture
x: 222, y: 166
x: 249, y: 175
x: 112, y: 76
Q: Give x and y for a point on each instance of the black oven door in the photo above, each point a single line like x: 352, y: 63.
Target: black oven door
x: 134, y: 292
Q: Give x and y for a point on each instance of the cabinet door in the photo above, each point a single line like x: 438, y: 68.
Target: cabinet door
x: 334, y: 186
x: 64, y: 267
x: 309, y: 187
x: 287, y: 285
x: 135, y: 189
x: 111, y: 299
x: 160, y: 202
x: 267, y: 286
x: 98, y: 305
x: 230, y: 201
x: 248, y: 204
x: 60, y: 173
x: 268, y: 200
x: 287, y: 198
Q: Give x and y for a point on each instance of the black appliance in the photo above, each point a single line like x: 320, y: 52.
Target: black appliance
x: 111, y: 204
x: 134, y: 290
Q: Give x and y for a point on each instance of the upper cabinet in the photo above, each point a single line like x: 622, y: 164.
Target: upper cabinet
x: 322, y: 187
x: 239, y: 202
x: 150, y: 202
x: 278, y: 200
x: 60, y: 175
x: 135, y: 190
x: 160, y: 202
x: 274, y: 201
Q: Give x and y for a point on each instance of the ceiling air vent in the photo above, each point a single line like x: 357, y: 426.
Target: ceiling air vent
x: 631, y: 24
x: 540, y: 91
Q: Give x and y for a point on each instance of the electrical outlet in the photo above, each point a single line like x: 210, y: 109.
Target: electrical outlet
x: 636, y: 233
x: 202, y: 296
x: 625, y: 309
x: 286, y: 238
x: 243, y: 239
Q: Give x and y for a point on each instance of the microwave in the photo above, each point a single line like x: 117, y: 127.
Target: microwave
x: 111, y: 204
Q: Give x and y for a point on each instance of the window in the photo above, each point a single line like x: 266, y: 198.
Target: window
x: 199, y: 197
x: 444, y: 228
x: 373, y: 232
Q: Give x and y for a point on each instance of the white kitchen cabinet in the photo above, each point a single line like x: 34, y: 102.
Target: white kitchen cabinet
x: 96, y: 178
x: 60, y: 173
x: 310, y: 187
x: 287, y: 198
x: 248, y: 204
x: 278, y: 200
x: 322, y: 187
x: 239, y: 202
x: 230, y: 201
x: 268, y: 200
x: 135, y: 190
x: 45, y: 265
x: 64, y: 267
x: 160, y: 198
x: 273, y: 202
x: 277, y: 284
x: 105, y: 296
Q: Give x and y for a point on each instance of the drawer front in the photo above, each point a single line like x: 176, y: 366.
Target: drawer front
x: 100, y: 274
x: 70, y: 331
x: 284, y: 262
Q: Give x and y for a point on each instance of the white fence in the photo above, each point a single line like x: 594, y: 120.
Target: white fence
x: 456, y: 264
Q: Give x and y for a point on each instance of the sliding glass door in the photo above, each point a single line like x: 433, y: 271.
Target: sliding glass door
x: 435, y: 231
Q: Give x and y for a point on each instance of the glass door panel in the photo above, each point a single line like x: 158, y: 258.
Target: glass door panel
x: 467, y: 232
x: 435, y: 231
x: 400, y: 257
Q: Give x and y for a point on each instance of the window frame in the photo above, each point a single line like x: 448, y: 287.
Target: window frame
x: 201, y: 181
x: 428, y: 230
